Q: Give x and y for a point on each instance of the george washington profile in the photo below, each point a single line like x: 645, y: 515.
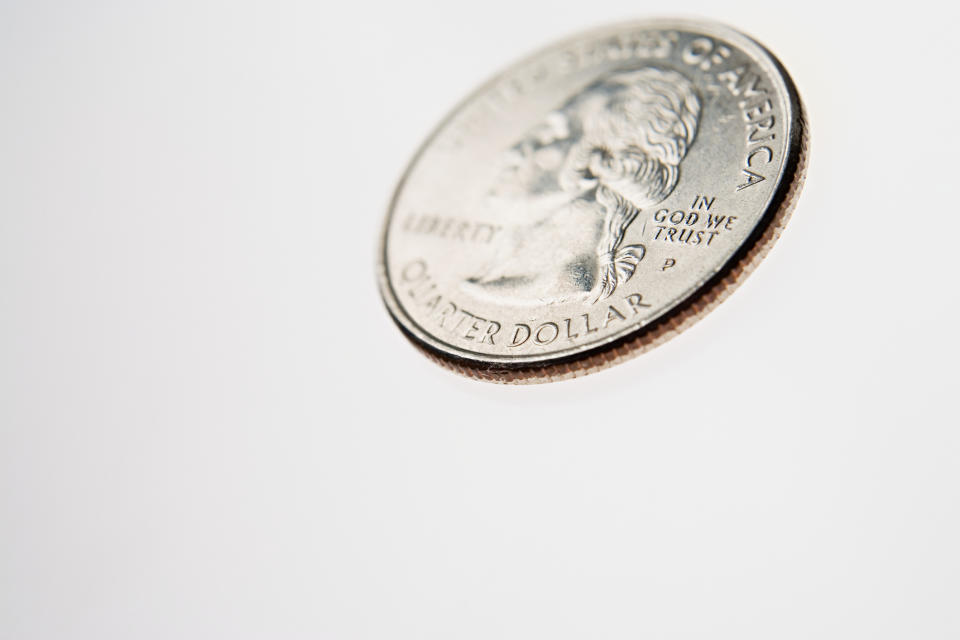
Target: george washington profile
x: 575, y: 182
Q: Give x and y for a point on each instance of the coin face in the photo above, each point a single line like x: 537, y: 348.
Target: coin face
x: 593, y: 200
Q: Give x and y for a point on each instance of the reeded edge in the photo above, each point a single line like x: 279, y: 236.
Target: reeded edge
x: 677, y: 318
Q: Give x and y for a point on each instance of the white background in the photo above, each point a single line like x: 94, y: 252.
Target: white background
x: 210, y: 428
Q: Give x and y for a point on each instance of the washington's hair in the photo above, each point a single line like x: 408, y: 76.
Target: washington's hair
x: 635, y: 127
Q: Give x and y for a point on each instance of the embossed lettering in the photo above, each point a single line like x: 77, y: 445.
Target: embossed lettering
x: 742, y: 81
x: 492, y: 329
x: 704, y: 53
x: 552, y: 331
x: 613, y: 314
x: 635, y: 300
x: 447, y: 312
x: 701, y: 202
x: 752, y: 179
x: 715, y: 221
x: 451, y: 228
x: 432, y: 303
x: 464, y: 314
x: 414, y: 271
x: 586, y: 322
x: 521, y: 329
x: 474, y: 326
x: 757, y: 109
x: 753, y: 153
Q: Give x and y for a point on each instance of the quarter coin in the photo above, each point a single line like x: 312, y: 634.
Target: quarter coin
x: 593, y: 200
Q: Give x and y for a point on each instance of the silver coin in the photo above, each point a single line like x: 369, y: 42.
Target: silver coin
x: 593, y: 200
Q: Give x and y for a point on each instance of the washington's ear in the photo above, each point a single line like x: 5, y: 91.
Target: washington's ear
x: 574, y: 176
x: 646, y: 183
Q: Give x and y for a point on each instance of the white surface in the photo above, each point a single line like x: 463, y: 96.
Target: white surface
x: 209, y: 428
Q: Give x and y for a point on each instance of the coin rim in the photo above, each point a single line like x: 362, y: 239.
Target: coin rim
x: 681, y: 315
